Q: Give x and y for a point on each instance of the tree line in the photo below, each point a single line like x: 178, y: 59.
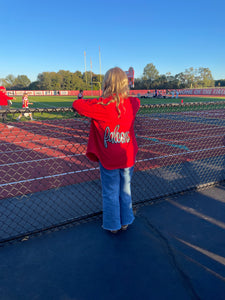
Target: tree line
x: 151, y: 79
x: 190, y: 78
x: 62, y: 80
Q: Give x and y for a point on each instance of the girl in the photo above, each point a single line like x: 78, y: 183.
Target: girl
x: 80, y: 95
x: 25, y: 103
x: 113, y: 144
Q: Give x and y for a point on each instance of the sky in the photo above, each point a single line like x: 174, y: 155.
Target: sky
x: 51, y: 35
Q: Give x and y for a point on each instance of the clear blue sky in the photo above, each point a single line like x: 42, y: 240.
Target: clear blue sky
x: 52, y: 35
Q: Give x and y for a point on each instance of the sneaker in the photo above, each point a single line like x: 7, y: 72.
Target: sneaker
x: 33, y: 119
x: 124, y: 227
x: 114, y: 231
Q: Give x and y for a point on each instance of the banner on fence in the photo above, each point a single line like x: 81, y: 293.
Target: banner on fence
x: 215, y: 92
x: 190, y: 92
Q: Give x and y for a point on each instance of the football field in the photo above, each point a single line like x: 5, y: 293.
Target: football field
x: 66, y: 101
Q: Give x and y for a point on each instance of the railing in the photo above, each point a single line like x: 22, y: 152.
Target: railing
x: 47, y: 181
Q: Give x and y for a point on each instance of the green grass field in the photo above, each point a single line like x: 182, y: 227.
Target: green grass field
x: 185, y: 99
x: 66, y: 102
x: 46, y: 101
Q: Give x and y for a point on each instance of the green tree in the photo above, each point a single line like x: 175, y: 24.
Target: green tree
x: 181, y: 78
x: 55, y: 81
x: 34, y: 86
x: 205, y: 78
x: 21, y: 82
x: 44, y: 81
x: 9, y: 81
x: 66, y: 80
x: 220, y: 82
x: 150, y: 72
x: 138, y: 84
x: 189, y: 78
x: 161, y: 82
x: 76, y: 81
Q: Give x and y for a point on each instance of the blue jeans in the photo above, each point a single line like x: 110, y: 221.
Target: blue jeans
x: 116, y: 195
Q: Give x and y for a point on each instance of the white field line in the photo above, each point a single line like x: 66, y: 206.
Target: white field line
x: 49, y: 176
x: 186, y: 131
x: 39, y: 160
x: 36, y: 140
x: 178, y: 154
x: 93, y: 169
x: 41, y: 140
x: 175, y: 141
x: 139, y: 136
x: 57, y: 129
x: 41, y: 148
x: 55, y: 126
x: 165, y: 133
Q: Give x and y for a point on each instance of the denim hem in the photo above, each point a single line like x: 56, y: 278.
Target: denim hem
x: 129, y: 222
x: 110, y: 229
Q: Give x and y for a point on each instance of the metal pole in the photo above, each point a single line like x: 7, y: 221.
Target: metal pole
x: 85, y: 68
x: 100, y: 72
x: 91, y: 77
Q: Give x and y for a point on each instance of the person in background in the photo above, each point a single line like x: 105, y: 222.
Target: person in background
x: 155, y: 94
x: 80, y: 95
x: 113, y: 144
x: 5, y: 101
x: 25, y: 104
x: 172, y: 93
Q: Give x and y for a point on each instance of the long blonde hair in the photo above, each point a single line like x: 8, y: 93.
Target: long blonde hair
x: 115, y: 85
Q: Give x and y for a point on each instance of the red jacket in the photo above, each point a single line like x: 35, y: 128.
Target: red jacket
x: 111, y: 140
x: 4, y: 99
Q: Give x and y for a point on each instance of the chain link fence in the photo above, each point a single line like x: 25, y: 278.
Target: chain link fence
x: 47, y: 181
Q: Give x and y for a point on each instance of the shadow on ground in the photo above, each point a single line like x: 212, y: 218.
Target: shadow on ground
x: 175, y: 249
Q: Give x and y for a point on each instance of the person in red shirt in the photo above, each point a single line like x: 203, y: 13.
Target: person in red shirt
x: 80, y: 95
x: 112, y: 143
x: 5, y: 101
x: 25, y: 103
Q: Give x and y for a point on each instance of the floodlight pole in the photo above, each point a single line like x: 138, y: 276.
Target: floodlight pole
x: 100, y: 65
x: 91, y: 77
x: 100, y: 71
x: 85, y: 68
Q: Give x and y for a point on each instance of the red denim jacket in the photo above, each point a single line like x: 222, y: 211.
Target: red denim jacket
x: 111, y: 139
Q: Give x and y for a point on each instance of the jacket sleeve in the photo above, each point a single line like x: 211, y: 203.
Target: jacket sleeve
x: 136, y: 104
x: 4, y: 98
x: 8, y: 98
x: 90, y: 108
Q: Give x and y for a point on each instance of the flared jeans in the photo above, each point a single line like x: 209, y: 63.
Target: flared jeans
x: 116, y: 195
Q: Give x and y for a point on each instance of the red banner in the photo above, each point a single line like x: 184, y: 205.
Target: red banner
x: 184, y: 92
x: 198, y: 92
